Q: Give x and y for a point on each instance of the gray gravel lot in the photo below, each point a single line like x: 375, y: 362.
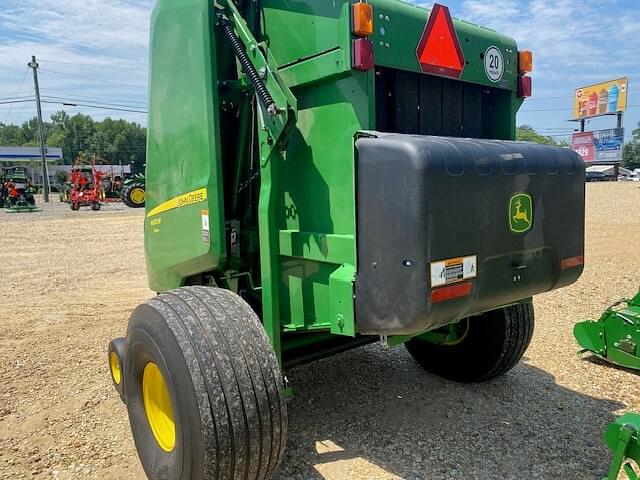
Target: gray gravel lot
x: 70, y: 280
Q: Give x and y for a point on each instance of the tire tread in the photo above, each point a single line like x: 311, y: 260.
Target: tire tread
x: 236, y: 378
x: 509, y: 330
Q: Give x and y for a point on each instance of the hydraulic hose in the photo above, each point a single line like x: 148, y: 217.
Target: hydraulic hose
x: 236, y: 45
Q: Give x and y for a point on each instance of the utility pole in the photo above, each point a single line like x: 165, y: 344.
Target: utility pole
x: 43, y: 154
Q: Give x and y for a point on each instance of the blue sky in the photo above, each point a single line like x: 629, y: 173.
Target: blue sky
x: 95, y: 52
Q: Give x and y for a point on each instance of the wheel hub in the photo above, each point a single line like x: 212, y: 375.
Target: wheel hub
x: 137, y: 196
x: 114, y: 364
x: 158, y: 407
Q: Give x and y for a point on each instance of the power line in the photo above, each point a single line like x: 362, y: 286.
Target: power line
x: 563, y: 109
x: 99, y: 107
x: 24, y: 77
x: 79, y: 64
x: 9, y: 102
x: 564, y: 97
x: 92, y: 98
x: 93, y: 79
x: 21, y: 97
x: 104, y: 104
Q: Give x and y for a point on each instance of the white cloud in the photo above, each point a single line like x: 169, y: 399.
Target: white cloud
x: 575, y: 41
x: 111, y: 36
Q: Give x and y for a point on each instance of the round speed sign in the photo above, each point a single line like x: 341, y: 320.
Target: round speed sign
x: 494, y: 64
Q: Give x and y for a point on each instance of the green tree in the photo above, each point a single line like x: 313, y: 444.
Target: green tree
x: 631, y: 151
x: 11, y: 135
x: 116, y: 141
x: 526, y: 133
x: 60, y: 177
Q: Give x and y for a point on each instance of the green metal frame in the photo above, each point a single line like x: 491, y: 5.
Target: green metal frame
x: 615, y: 336
x: 623, y: 438
x: 297, y: 248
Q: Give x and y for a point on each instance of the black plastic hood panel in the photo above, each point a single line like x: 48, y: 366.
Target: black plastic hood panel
x: 503, y: 219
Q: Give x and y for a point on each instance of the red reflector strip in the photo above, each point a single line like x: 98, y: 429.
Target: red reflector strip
x: 524, y: 86
x: 362, y: 54
x: 571, y: 262
x: 449, y: 293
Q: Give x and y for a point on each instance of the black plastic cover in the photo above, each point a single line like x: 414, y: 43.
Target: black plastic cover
x: 424, y: 200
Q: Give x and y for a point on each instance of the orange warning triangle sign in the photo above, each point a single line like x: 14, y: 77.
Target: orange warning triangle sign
x: 439, y: 50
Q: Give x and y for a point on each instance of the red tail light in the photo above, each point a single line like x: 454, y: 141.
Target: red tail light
x: 524, y: 86
x: 362, y: 54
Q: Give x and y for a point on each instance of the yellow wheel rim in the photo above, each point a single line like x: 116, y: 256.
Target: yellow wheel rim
x: 116, y: 372
x: 157, y: 405
x: 137, y: 195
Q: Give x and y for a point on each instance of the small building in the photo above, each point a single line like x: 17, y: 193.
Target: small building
x: 29, y: 157
x: 602, y: 172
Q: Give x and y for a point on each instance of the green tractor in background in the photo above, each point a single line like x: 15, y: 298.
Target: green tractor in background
x: 133, y: 191
x: 20, y: 192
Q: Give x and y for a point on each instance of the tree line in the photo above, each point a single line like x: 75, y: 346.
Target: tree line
x: 630, y: 152
x: 116, y: 141
x: 123, y: 142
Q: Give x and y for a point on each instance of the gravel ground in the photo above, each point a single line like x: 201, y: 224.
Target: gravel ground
x: 68, y: 281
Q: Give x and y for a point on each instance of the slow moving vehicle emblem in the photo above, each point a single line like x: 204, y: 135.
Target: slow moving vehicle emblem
x: 439, y: 50
x: 520, y: 213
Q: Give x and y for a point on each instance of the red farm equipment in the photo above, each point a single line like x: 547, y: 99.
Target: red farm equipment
x: 86, y: 187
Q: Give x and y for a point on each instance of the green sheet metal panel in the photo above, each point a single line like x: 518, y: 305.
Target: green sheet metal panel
x: 299, y: 29
x: 318, y: 185
x: 398, y: 27
x: 183, y: 146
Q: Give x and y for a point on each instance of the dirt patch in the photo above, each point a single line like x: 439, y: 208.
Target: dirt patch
x: 68, y: 281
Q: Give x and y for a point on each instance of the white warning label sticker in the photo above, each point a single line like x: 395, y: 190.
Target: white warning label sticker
x: 205, y: 226
x: 453, y: 270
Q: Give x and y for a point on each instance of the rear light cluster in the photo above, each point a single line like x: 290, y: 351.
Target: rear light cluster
x: 525, y: 65
x: 362, y: 27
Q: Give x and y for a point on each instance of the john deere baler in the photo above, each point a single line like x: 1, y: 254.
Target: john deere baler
x: 322, y: 175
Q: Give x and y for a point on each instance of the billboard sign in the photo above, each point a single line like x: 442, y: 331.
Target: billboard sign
x: 601, y: 99
x: 608, y: 144
x: 601, y: 146
x: 582, y: 143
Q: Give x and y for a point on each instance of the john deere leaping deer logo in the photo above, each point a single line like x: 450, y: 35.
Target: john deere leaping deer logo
x: 520, y: 213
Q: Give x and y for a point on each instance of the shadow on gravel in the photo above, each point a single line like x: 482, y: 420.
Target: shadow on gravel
x: 372, y: 413
x: 603, y: 363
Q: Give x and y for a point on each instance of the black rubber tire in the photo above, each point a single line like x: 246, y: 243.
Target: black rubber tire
x: 494, y: 343
x: 224, y: 382
x: 95, y: 206
x: 126, y: 195
x: 75, y: 206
